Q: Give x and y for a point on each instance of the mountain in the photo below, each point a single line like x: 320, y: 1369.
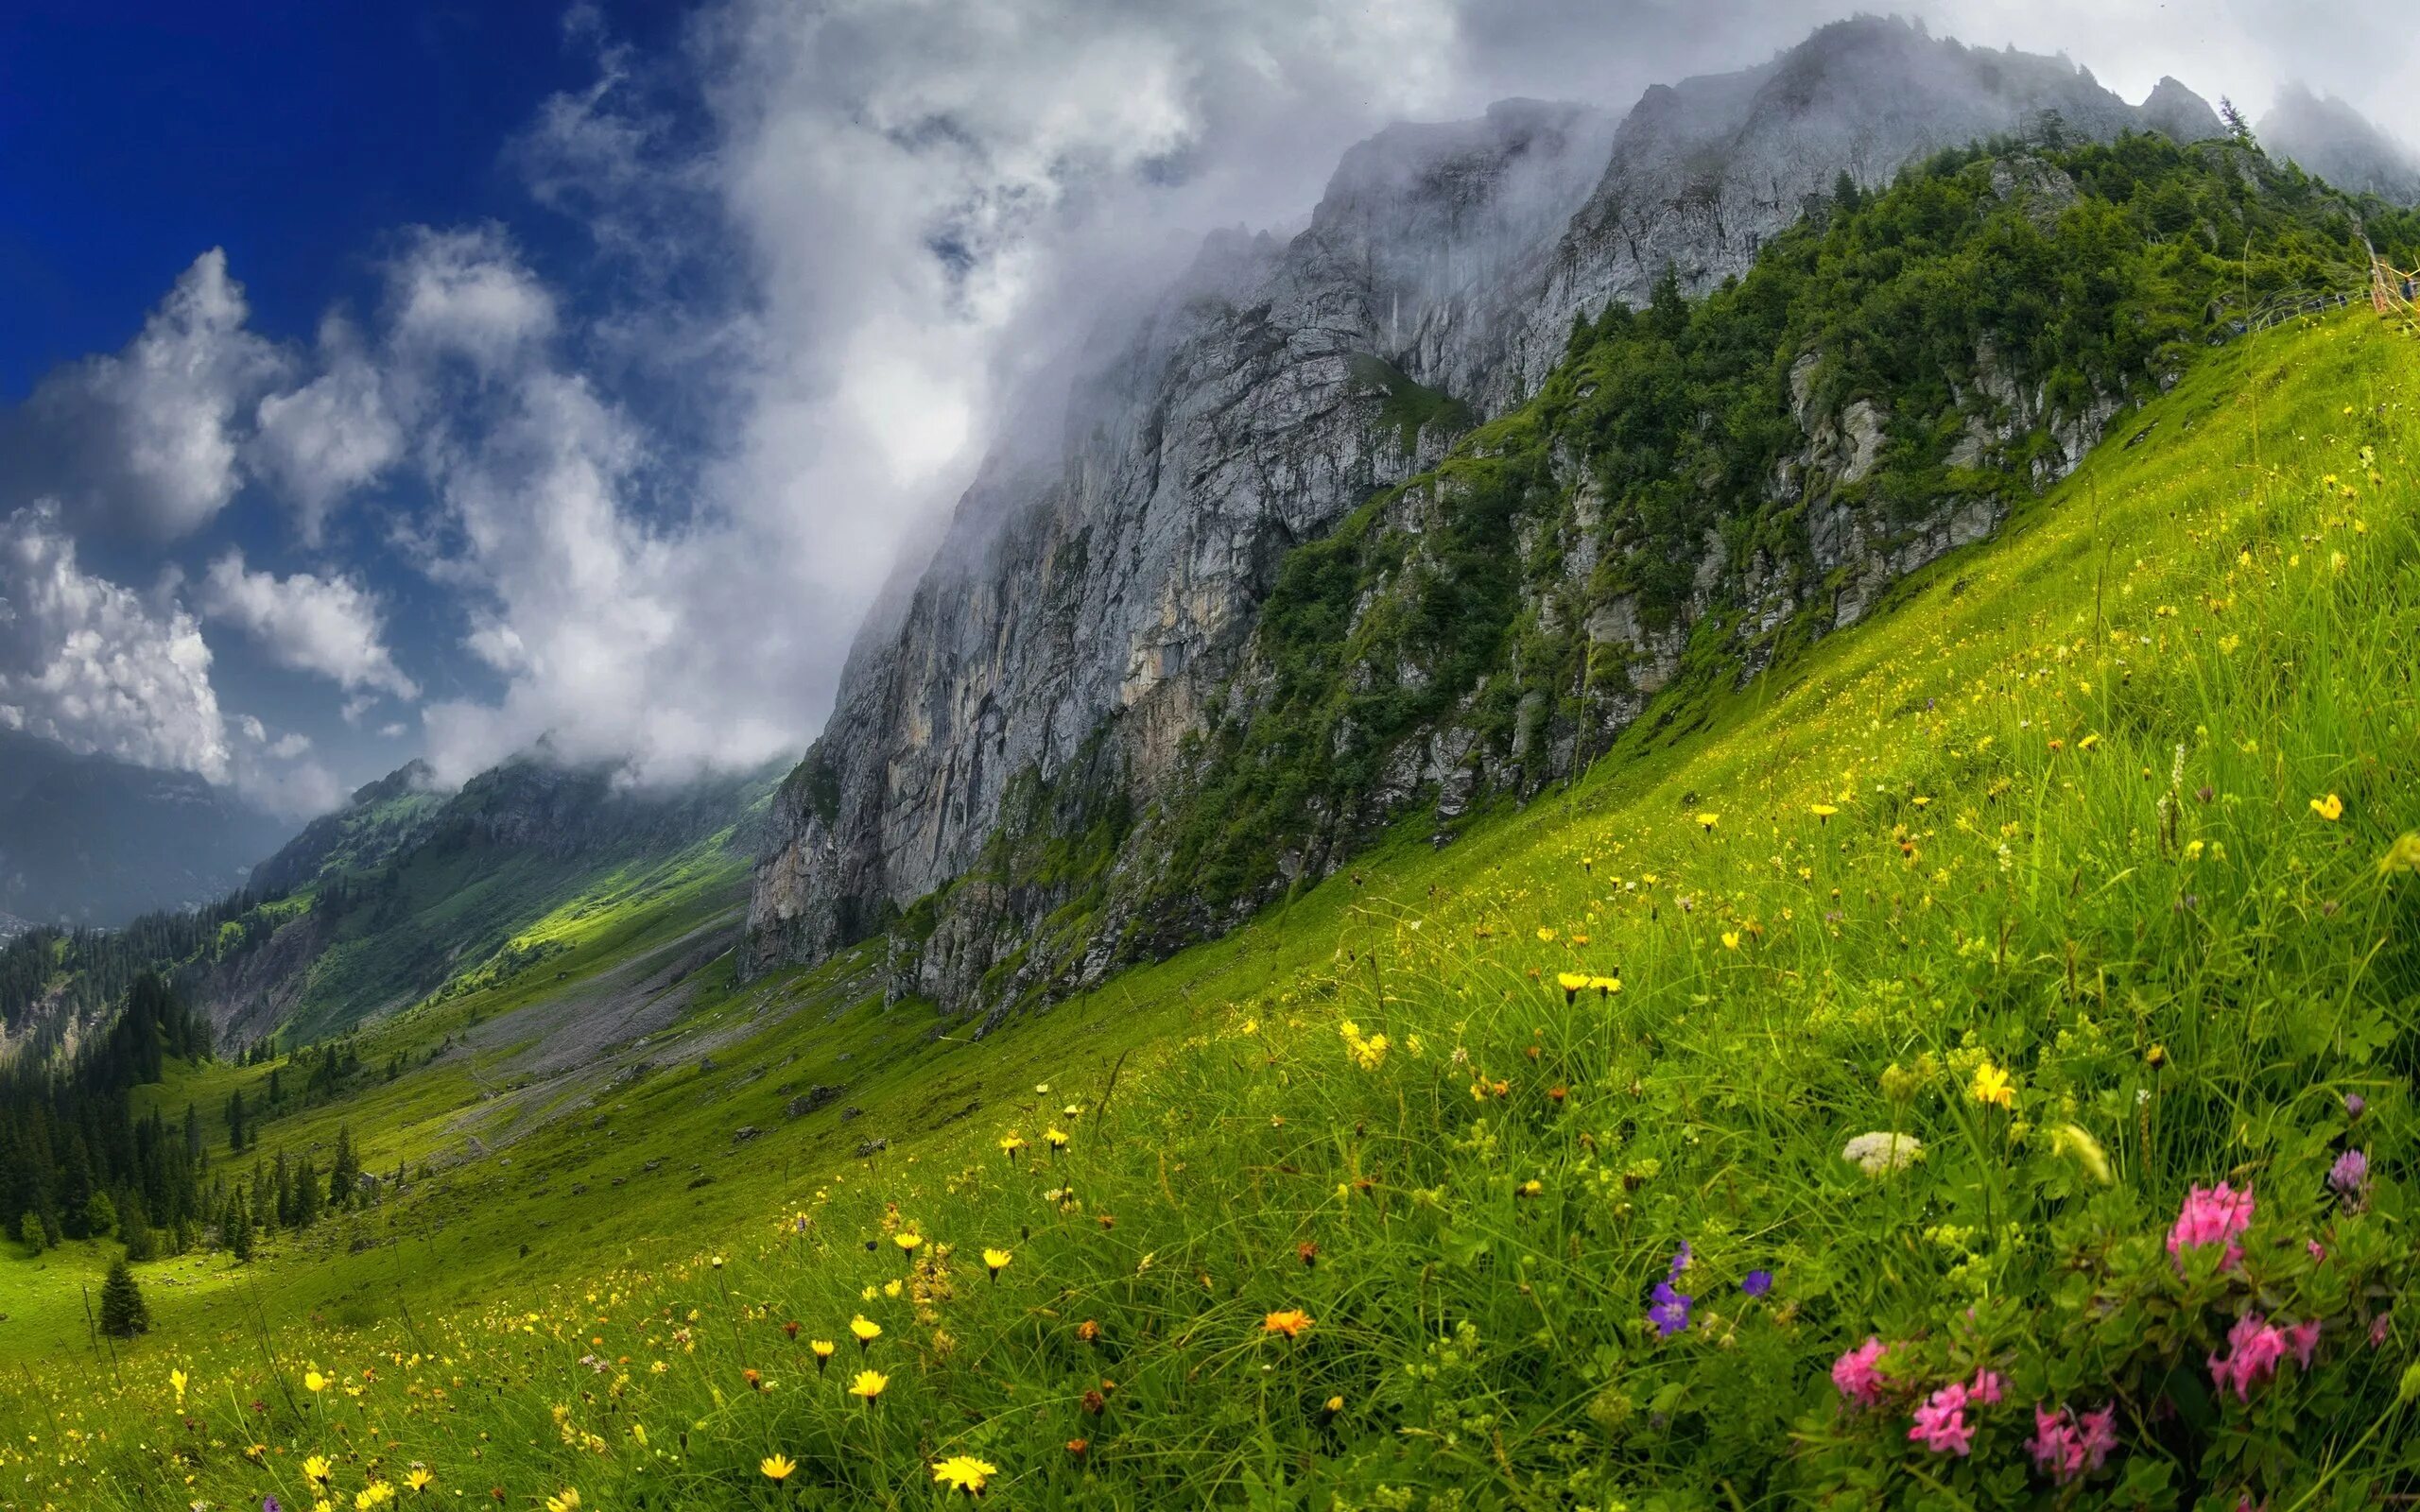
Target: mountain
x: 406, y: 892
x: 2331, y: 139
x: 1074, y: 642
x: 91, y: 840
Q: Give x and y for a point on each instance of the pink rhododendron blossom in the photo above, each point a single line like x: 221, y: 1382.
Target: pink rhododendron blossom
x: 1941, y: 1423
x: 1858, y: 1375
x: 1986, y: 1389
x: 2254, y: 1347
x: 2304, y: 1339
x: 2380, y: 1326
x: 2069, y: 1447
x: 2212, y: 1215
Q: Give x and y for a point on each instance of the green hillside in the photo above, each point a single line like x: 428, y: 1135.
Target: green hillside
x: 2086, y: 865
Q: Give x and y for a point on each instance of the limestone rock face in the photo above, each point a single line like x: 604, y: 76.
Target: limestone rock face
x: 1098, y: 588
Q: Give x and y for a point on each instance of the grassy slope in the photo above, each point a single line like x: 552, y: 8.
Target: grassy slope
x: 1484, y: 1343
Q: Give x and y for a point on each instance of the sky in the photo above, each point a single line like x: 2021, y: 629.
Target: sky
x: 433, y: 379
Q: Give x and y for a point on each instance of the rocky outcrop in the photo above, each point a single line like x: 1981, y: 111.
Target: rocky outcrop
x: 1095, y: 594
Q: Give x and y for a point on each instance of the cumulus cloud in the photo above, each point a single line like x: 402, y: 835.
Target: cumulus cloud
x: 95, y: 666
x: 328, y: 626
x: 337, y: 433
x: 146, y: 440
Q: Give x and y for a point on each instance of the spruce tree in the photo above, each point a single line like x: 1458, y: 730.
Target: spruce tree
x: 344, y: 1172
x: 239, y: 1229
x: 306, y: 1193
x: 236, y: 1121
x: 123, y: 1315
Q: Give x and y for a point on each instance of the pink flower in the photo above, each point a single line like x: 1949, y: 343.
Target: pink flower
x: 2303, y: 1338
x: 1941, y: 1423
x: 2212, y: 1215
x: 2380, y: 1326
x: 2255, y: 1347
x: 1986, y: 1389
x: 1857, y: 1373
x: 2317, y: 1250
x: 2069, y: 1447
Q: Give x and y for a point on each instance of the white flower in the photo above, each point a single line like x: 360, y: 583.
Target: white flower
x: 1879, y: 1154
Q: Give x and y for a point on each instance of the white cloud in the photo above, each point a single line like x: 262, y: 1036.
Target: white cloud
x: 335, y: 433
x: 465, y: 293
x: 329, y: 626
x: 91, y: 665
x: 147, y: 441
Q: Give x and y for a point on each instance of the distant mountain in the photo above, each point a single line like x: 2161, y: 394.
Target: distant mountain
x: 90, y: 840
x: 2338, y: 142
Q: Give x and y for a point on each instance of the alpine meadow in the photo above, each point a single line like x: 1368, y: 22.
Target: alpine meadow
x: 1707, y: 809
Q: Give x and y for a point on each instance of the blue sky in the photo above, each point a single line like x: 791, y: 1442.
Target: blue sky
x: 434, y: 377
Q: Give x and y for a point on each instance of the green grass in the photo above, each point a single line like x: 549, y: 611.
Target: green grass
x: 2180, y: 984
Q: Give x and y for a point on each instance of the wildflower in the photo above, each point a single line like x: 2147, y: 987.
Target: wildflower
x: 1606, y: 986
x: 2349, y: 1177
x: 755, y: 1378
x: 866, y: 1329
x: 568, y: 1502
x: 776, y: 1468
x: 1668, y: 1309
x: 2353, y: 1105
x: 1758, y: 1284
x: 177, y: 1378
x: 2404, y: 855
x: 1707, y: 821
x: 2069, y: 1448
x: 1055, y: 1138
x: 964, y: 1472
x: 1011, y: 1142
x: 1730, y: 940
x: 1292, y: 1322
x: 1571, y: 983
x: 907, y: 1239
x: 2212, y: 1215
x: 1986, y: 1388
x: 1546, y: 936
x: 315, y: 1469
x: 1077, y: 1446
x: 2303, y: 1338
x: 996, y: 1261
x: 419, y: 1480
x: 2253, y: 1347
x: 869, y: 1384
x: 2331, y: 808
x: 1991, y: 1087
x: 313, y: 1380
x: 377, y: 1493
x: 1858, y: 1375
x: 1941, y: 1423
x: 1879, y: 1153
x: 823, y: 1348
x: 1823, y: 812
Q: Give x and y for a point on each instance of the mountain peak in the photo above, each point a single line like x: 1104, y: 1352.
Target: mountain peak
x: 2329, y: 138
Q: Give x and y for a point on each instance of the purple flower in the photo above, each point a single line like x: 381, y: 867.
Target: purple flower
x: 2353, y: 1105
x: 1681, y: 1259
x: 1758, y: 1284
x: 270, y: 1503
x: 1670, y: 1311
x: 2350, y: 1176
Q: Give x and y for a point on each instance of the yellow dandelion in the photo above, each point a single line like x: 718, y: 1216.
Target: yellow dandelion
x: 1572, y: 983
x: 565, y: 1501
x: 996, y: 1261
x: 1292, y: 1322
x: 777, y: 1467
x: 869, y: 1384
x: 1991, y: 1087
x: 907, y: 1239
x: 866, y: 1329
x: 315, y: 1469
x: 1707, y: 821
x: 1823, y: 812
x: 964, y: 1472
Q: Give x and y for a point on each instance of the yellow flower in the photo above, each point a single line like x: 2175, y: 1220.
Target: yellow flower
x: 568, y: 1502
x: 177, y: 1378
x: 313, y: 1380
x: 823, y: 1348
x: 964, y: 1472
x: 907, y: 1239
x: 776, y: 1467
x: 996, y: 1261
x: 1055, y: 1138
x: 1292, y: 1322
x: 638, y: 1435
x: 865, y: 1328
x: 1992, y: 1085
x: 869, y: 1384
x: 1707, y: 821
x: 420, y: 1480
x: 1571, y: 983
x: 2404, y: 855
x: 2331, y: 808
x: 377, y: 1493
x: 315, y: 1469
x: 1546, y: 936
x: 1011, y: 1142
x: 1730, y: 940
x: 1823, y: 812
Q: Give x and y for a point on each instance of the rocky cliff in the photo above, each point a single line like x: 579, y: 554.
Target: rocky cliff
x: 1085, y: 624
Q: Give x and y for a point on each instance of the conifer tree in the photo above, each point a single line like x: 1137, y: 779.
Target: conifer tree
x: 239, y: 1229
x: 236, y: 1121
x: 344, y: 1172
x: 307, y: 1201
x: 123, y: 1315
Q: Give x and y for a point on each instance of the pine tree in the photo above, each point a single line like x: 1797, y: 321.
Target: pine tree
x: 307, y: 1201
x: 239, y: 1229
x: 236, y: 1121
x: 344, y: 1172
x: 123, y: 1315
x: 2233, y: 120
